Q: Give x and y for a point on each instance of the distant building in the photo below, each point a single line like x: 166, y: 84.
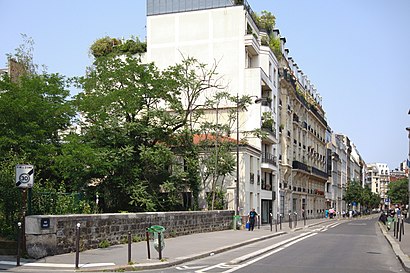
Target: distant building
x: 14, y: 69
x: 378, y: 176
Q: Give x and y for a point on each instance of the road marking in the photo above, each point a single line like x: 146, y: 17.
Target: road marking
x: 268, y: 254
x: 57, y: 265
x: 234, y: 267
x: 186, y: 267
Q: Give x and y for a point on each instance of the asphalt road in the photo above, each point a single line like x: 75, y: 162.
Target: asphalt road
x: 354, y: 246
x: 339, y: 246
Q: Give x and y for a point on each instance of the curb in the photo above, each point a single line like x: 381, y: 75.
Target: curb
x: 181, y: 260
x: 403, y: 258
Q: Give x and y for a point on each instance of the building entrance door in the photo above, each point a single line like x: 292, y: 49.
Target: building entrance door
x: 266, y: 209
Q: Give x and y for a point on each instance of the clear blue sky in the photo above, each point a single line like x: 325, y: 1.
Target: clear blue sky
x: 356, y: 53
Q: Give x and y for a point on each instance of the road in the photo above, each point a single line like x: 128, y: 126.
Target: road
x: 352, y: 247
x: 355, y: 246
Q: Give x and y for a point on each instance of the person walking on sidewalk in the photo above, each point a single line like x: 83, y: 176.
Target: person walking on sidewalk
x: 252, y: 217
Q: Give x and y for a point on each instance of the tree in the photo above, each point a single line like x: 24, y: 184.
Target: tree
x: 369, y: 199
x: 353, y: 192
x: 142, y: 119
x: 398, y: 191
x: 34, y: 114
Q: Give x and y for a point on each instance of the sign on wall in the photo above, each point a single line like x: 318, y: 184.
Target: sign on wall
x: 24, y: 175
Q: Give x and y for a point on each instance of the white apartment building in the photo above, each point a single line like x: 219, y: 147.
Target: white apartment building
x: 303, y: 151
x: 378, y: 176
x: 338, y: 179
x: 223, y: 32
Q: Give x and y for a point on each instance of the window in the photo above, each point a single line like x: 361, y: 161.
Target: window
x: 274, y: 77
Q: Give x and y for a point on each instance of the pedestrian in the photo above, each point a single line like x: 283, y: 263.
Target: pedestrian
x: 383, y: 217
x: 252, y: 217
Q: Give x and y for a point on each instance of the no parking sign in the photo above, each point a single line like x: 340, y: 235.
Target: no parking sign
x: 24, y: 175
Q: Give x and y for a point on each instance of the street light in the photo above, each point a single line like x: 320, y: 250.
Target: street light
x: 237, y: 154
x: 408, y: 173
x: 258, y: 100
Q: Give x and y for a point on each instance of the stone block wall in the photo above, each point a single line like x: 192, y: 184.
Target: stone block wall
x: 48, y: 235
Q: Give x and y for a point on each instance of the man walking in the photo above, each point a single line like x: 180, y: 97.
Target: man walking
x: 252, y: 217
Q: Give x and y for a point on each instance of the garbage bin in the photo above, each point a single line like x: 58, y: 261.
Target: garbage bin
x: 237, y: 222
x: 390, y: 220
x: 156, y: 230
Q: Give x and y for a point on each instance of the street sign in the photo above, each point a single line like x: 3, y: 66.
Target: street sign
x: 24, y: 175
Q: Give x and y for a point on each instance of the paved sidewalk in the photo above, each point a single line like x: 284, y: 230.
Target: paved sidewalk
x: 401, y: 246
x: 177, y: 250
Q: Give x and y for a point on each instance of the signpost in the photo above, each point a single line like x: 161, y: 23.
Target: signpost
x: 24, y: 181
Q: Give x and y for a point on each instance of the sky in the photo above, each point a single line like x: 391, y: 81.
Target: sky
x: 356, y: 53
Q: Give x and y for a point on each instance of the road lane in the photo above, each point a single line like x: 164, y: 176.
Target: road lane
x: 355, y: 246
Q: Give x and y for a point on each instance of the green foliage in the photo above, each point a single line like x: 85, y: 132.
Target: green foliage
x: 35, y: 113
x: 137, y: 238
x: 104, y: 244
x: 398, y: 191
x: 216, y: 200
x: 370, y: 199
x: 266, y: 21
x: 267, y: 121
x: 111, y: 46
x: 275, y: 45
x: 46, y: 199
x: 133, y: 115
x: 353, y: 192
x: 361, y: 195
x: 10, y: 197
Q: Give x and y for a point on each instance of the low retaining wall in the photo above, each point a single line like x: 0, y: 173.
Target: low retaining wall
x: 48, y: 235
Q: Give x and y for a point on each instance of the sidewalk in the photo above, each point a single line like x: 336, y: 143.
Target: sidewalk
x: 177, y: 250
x: 400, y: 247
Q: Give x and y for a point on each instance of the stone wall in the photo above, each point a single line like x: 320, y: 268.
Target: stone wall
x: 48, y: 235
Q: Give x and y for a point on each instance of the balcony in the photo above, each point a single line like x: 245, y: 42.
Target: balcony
x: 267, y: 126
x: 269, y: 158
x: 320, y: 173
x: 252, y: 44
x: 269, y: 161
x: 300, y: 166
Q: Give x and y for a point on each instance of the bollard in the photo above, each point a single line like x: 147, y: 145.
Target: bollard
x: 77, y: 246
x: 148, y: 249
x: 18, y: 243
x: 402, y: 226
x: 304, y: 219
x: 129, y: 247
x: 398, y: 228
x: 159, y: 246
x: 270, y: 221
x: 280, y: 221
x: 276, y: 223
x: 290, y: 221
x: 296, y: 219
x: 394, y: 228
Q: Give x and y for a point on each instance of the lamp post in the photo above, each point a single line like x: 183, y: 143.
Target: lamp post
x: 237, y: 154
x: 408, y: 205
